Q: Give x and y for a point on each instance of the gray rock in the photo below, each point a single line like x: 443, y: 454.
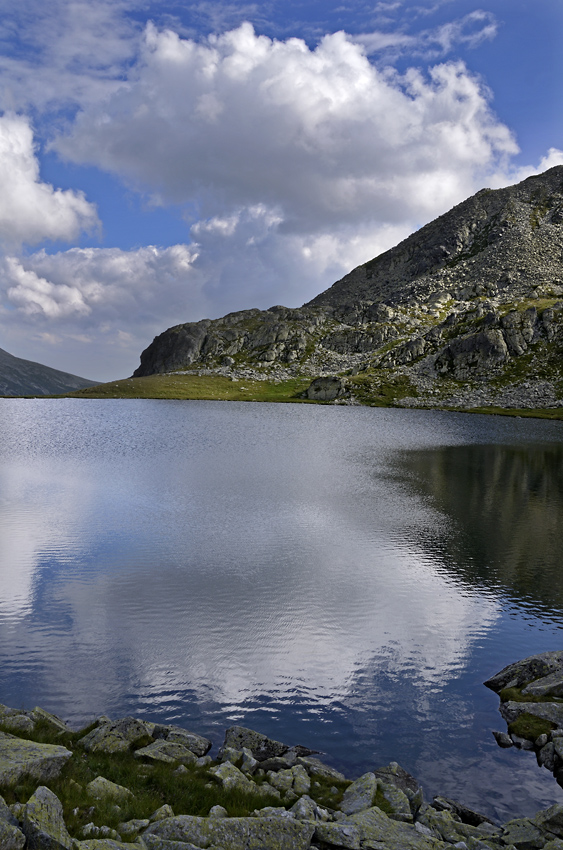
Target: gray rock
x: 259, y: 745
x: 398, y: 776
x: 315, y: 767
x: 110, y: 844
x: 153, y: 842
x: 218, y: 812
x: 553, y: 712
x: 231, y: 778
x: 115, y: 737
x: 359, y: 795
x: 551, y: 820
x: 551, y: 685
x: 503, y: 739
x: 546, y: 756
x: 523, y: 834
x: 11, y: 837
x: 6, y: 813
x: 20, y: 758
x: 381, y: 833
x: 197, y: 744
x: 39, y: 715
x: 43, y: 823
x: 249, y: 763
x: 132, y: 827
x: 162, y: 813
x: 325, y: 389
x: 338, y: 834
x: 523, y: 672
x: 102, y: 789
x: 166, y: 751
x: 276, y: 833
x: 398, y: 800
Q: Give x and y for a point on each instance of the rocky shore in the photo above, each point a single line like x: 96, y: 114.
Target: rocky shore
x: 135, y: 785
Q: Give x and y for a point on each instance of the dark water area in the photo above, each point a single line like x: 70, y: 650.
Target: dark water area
x: 343, y: 578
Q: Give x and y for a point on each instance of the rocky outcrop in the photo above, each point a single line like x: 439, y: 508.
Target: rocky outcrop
x: 467, y: 311
x: 531, y: 693
x: 382, y: 810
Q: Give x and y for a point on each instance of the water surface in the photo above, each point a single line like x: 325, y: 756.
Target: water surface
x: 344, y: 578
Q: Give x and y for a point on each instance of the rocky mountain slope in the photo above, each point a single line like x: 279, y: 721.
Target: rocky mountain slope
x: 24, y: 377
x: 466, y: 312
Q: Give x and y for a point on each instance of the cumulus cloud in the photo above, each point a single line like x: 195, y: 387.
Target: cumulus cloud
x: 321, y: 136
x: 31, y: 210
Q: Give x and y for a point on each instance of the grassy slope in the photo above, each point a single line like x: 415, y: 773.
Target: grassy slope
x: 219, y: 388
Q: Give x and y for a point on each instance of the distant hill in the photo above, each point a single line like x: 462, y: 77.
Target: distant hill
x: 24, y: 377
x: 465, y: 312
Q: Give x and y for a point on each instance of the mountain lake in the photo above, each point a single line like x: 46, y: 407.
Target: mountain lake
x: 339, y: 577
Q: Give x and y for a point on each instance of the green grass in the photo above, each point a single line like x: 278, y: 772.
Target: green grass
x: 516, y: 695
x: 193, y: 792
x: 530, y: 727
x: 197, y: 387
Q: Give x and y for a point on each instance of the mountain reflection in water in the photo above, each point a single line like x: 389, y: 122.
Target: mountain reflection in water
x: 505, y: 504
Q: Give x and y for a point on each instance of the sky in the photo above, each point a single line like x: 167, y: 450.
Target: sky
x: 165, y: 162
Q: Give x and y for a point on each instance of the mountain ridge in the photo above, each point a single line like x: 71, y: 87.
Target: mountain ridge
x: 20, y: 377
x: 464, y: 312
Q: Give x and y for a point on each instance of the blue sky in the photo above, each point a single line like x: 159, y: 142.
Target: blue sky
x: 165, y: 162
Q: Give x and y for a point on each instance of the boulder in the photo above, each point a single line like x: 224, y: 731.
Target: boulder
x: 551, y: 820
x: 551, y: 686
x: 247, y: 833
x: 110, y: 844
x: 523, y: 834
x: 43, y: 822
x: 398, y: 801
x: 465, y: 814
x: 359, y: 795
x: 20, y: 758
x: 162, y: 813
x: 553, y: 712
x: 51, y: 720
x: 259, y: 745
x: 11, y: 837
x: 102, y: 789
x: 378, y: 831
x: 315, y: 767
x: 472, y: 354
x: 399, y: 777
x: 523, y: 672
x: 338, y: 834
x: 117, y: 737
x: 166, y: 751
x: 325, y: 389
x: 231, y: 778
x: 195, y: 743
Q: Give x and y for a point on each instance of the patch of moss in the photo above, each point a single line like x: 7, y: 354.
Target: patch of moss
x: 530, y: 727
x: 516, y: 695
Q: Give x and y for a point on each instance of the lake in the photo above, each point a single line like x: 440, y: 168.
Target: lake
x: 340, y: 577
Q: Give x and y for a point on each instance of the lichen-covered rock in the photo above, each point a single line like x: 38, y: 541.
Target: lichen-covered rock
x: 359, y: 795
x: 162, y: 813
x: 553, y: 712
x: 398, y: 801
x: 474, y: 353
x: 377, y: 830
x: 102, y: 789
x: 20, y: 758
x: 338, y: 834
x: 132, y: 827
x: 527, y: 670
x: 116, y: 737
x: 197, y: 744
x: 465, y: 814
x: 259, y: 745
x: 551, y: 820
x: 315, y: 767
x: 43, y: 823
x: 231, y: 778
x: 11, y: 837
x: 46, y: 718
x: 109, y: 844
x: 523, y: 834
x: 166, y: 751
x: 235, y: 833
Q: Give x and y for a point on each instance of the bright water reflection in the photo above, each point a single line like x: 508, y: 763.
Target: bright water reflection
x: 345, y: 578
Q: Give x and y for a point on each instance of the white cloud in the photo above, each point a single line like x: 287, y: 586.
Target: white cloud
x: 31, y: 210
x: 470, y: 31
x: 321, y: 136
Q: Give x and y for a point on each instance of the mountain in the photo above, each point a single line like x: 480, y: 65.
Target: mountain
x: 24, y: 377
x: 465, y: 312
